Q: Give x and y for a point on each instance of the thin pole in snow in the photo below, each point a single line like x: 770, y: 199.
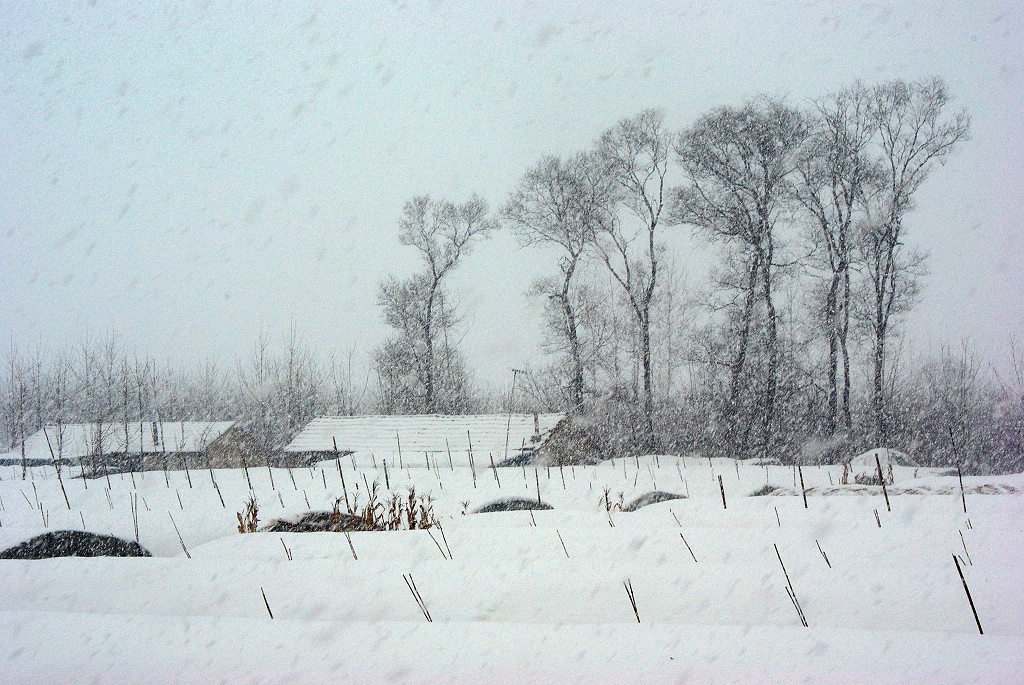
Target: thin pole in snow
x: 969, y: 598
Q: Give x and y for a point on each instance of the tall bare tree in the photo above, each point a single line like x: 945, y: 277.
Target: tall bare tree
x: 836, y: 173
x: 405, y: 362
x: 562, y: 203
x: 635, y: 154
x: 739, y: 166
x: 916, y: 134
x: 442, y: 232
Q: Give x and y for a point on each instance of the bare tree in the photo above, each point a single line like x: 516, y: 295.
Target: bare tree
x: 562, y: 203
x: 346, y: 399
x: 443, y: 233
x: 836, y: 171
x: 635, y: 156
x: 916, y: 134
x: 16, y: 404
x: 406, y: 362
x: 59, y: 376
x: 739, y: 166
x: 670, y: 322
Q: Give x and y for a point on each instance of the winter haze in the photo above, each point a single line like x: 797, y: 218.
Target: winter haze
x: 190, y: 176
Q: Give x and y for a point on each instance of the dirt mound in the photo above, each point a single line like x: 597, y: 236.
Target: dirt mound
x: 74, y: 543
x: 513, y: 504
x: 16, y: 461
x: 860, y: 490
x: 319, y: 522
x: 652, y: 497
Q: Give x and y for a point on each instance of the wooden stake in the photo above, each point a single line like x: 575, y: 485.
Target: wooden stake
x: 632, y: 599
x: 185, y: 549
x: 344, y: 491
x: 337, y: 457
x: 789, y: 589
x: 824, y: 556
x: 494, y: 470
x: 965, y: 547
x: 445, y: 540
x: 969, y: 598
x: 267, y: 604
x: 411, y: 584
x: 963, y: 495
x: 689, y: 549
x: 803, y: 490
x: 563, y: 543
x: 439, y: 548
x: 881, y: 479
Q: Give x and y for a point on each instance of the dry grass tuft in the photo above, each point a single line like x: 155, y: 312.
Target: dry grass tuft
x: 249, y: 520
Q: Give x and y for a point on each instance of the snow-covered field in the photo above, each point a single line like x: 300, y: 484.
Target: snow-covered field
x: 512, y: 603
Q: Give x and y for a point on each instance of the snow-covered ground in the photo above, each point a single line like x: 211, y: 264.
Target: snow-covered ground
x: 513, y: 603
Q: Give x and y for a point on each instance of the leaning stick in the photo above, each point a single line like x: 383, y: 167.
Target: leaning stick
x: 563, y: 543
x: 803, y: 490
x: 349, y: 539
x: 267, y: 604
x: 969, y: 598
x: 632, y: 599
x: 689, y: 549
x: 411, y: 584
x: 185, y: 549
x: 881, y: 479
x: 439, y: 548
x: 959, y: 473
x: 494, y: 470
x: 445, y: 540
x: 823, y: 554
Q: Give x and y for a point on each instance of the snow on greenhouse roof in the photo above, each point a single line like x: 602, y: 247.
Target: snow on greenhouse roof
x: 76, y: 440
x: 425, y: 433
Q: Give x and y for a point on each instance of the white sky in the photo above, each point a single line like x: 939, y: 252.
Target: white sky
x: 190, y: 176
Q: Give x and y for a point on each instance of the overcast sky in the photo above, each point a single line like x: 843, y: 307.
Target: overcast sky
x: 189, y: 176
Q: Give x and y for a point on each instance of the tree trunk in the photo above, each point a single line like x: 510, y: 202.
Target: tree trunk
x: 428, y: 339
x: 773, y: 350
x: 739, y: 362
x: 844, y: 332
x: 736, y: 368
x: 878, y: 364
x: 576, y: 382
x: 647, y: 439
x: 831, y: 325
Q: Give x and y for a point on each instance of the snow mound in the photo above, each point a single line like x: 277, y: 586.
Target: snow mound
x: 652, y: 497
x: 863, y: 468
x: 73, y: 543
x: 513, y: 504
x: 318, y: 522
